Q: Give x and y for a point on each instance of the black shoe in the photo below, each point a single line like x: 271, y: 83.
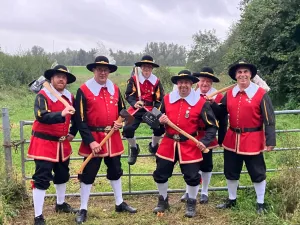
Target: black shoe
x: 123, y: 207
x: 260, y: 208
x: 228, y: 204
x: 184, y: 197
x: 151, y: 149
x: 162, y: 205
x: 65, y: 207
x: 39, y: 220
x: 203, y: 199
x: 133, y: 154
x: 81, y: 216
x: 190, y: 210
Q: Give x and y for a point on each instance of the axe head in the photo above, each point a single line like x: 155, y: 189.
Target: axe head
x: 152, y: 118
x: 37, y: 85
x: 128, y: 118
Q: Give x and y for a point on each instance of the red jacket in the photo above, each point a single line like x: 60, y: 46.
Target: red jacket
x: 45, y: 149
x: 245, y: 113
x: 176, y: 112
x: 100, y: 111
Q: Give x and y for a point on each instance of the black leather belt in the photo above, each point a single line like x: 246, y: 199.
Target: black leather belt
x: 201, y: 128
x: 244, y: 130
x: 179, y: 137
x: 48, y: 136
x: 100, y: 129
x: 147, y: 103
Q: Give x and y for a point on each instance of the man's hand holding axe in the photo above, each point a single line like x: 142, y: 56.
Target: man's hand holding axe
x: 155, y: 117
x: 96, y: 147
x: 36, y: 86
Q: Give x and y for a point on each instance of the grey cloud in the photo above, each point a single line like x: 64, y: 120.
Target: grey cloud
x: 120, y: 24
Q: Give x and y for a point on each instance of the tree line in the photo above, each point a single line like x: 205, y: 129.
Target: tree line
x: 267, y: 34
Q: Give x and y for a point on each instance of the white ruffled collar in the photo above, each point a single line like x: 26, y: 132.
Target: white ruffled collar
x: 211, y: 90
x: 250, y: 90
x: 191, y: 99
x: 152, y: 78
x: 65, y: 93
x: 95, y: 87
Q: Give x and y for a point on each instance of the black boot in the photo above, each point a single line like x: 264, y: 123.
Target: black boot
x: 190, y: 210
x: 65, y: 207
x: 81, y: 216
x: 162, y: 205
x: 151, y: 149
x: 39, y: 220
x: 260, y: 208
x: 227, y: 204
x: 123, y: 207
x: 203, y: 199
x: 184, y: 197
x: 133, y: 154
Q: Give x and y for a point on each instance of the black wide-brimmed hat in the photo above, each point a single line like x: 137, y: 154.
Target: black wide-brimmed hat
x: 102, y: 61
x: 146, y: 59
x: 241, y: 63
x: 184, y: 74
x: 208, y: 73
x: 60, y: 69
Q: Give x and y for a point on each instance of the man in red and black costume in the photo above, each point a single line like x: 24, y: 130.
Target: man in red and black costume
x: 187, y: 110
x: 50, y: 141
x: 152, y: 94
x: 251, y: 131
x: 204, y: 87
x: 98, y: 103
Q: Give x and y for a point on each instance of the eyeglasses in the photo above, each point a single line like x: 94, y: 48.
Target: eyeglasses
x: 101, y: 70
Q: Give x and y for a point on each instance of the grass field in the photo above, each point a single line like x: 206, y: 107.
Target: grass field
x: 20, y: 104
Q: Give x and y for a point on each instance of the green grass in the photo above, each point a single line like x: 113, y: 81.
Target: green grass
x: 20, y: 104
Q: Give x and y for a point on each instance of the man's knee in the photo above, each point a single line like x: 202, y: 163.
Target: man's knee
x: 41, y: 184
x: 160, y: 177
x: 192, y: 179
x: 128, y: 131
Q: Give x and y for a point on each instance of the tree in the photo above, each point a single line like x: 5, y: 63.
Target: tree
x: 204, y: 48
x: 37, y: 50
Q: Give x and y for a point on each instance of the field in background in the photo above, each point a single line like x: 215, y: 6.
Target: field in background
x: 20, y: 104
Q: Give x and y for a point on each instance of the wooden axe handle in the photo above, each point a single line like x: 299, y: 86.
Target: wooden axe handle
x: 220, y: 91
x: 85, y: 162
x: 63, y: 101
x: 185, y: 134
x: 137, y: 83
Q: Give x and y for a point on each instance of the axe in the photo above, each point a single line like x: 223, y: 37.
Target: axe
x: 220, y: 91
x: 151, y: 118
x: 36, y: 86
x: 124, y: 116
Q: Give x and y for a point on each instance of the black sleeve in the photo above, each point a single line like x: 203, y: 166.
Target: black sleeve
x: 121, y: 103
x: 81, y: 118
x: 159, y: 94
x: 210, y: 122
x: 222, y: 118
x: 161, y: 107
x: 73, y: 129
x: 43, y: 114
x: 131, y: 92
x: 269, y: 120
x: 220, y: 110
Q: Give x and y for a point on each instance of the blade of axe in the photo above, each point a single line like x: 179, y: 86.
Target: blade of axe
x: 156, y: 112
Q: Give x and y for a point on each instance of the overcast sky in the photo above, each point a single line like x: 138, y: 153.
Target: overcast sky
x: 118, y: 24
